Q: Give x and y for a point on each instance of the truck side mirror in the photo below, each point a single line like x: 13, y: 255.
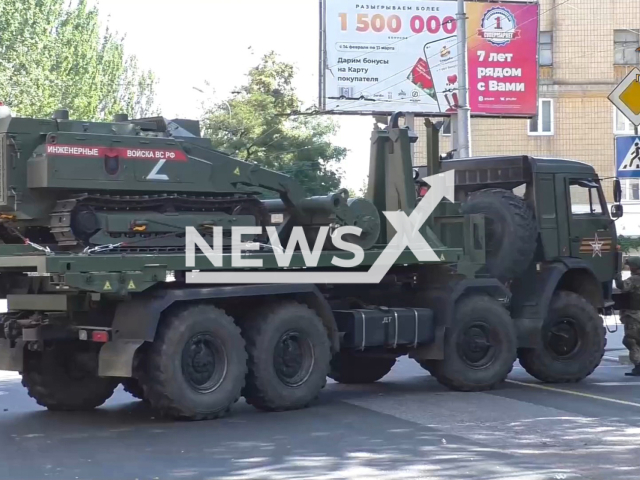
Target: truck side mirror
x: 616, y: 210
x: 617, y: 191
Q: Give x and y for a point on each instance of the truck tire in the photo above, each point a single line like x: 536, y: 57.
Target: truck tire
x: 573, y: 341
x: 480, y: 346
x: 289, y: 356
x: 196, y: 366
x: 353, y: 369
x: 511, y: 231
x: 63, y: 378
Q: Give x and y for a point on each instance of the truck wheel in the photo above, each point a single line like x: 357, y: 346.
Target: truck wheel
x: 479, y: 347
x: 511, y: 231
x: 351, y: 369
x: 195, y: 367
x: 63, y: 377
x: 573, y: 341
x: 289, y: 355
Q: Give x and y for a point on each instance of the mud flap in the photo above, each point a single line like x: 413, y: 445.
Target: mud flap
x: 116, y: 358
x: 11, y: 358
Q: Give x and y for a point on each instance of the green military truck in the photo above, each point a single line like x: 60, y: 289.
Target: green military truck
x: 94, y: 218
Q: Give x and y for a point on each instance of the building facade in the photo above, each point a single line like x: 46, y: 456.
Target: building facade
x: 586, y: 48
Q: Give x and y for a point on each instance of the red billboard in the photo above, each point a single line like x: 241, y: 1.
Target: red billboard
x: 502, y: 56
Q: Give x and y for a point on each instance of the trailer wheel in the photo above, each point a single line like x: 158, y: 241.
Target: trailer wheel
x: 289, y: 356
x: 511, y: 230
x: 480, y: 346
x: 573, y: 341
x: 64, y: 377
x: 352, y: 369
x: 195, y: 367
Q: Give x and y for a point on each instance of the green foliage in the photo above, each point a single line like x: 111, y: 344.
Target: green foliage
x: 628, y: 244
x: 255, y: 124
x: 54, y: 56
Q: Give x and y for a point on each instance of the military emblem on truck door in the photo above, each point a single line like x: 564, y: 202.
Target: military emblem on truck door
x: 595, y: 246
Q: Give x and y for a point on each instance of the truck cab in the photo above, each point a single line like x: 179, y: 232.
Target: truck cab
x: 572, y: 223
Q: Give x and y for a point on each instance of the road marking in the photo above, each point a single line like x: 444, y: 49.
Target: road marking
x: 615, y: 384
x: 614, y: 359
x: 580, y: 394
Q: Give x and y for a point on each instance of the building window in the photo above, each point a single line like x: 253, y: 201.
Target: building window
x: 446, y: 127
x: 625, y: 48
x: 542, y: 122
x: 630, y: 189
x: 621, y: 124
x: 546, y: 49
x: 630, y: 186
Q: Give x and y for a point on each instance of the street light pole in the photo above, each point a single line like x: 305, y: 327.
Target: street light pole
x: 228, y: 106
x: 463, y: 112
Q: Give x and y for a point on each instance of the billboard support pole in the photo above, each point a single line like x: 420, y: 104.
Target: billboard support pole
x: 463, y: 113
x: 321, y: 59
x: 410, y: 121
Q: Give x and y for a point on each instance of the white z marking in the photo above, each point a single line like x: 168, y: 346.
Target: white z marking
x: 154, y: 175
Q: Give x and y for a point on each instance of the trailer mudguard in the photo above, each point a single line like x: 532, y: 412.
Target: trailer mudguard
x: 136, y: 321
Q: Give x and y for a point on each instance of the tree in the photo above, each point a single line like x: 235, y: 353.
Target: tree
x: 258, y: 123
x: 53, y: 56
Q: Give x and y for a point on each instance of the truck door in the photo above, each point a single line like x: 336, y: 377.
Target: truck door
x: 591, y: 230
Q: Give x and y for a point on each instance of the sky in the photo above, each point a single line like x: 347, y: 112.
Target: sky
x: 188, y: 42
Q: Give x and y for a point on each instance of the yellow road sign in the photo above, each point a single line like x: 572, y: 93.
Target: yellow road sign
x: 626, y: 96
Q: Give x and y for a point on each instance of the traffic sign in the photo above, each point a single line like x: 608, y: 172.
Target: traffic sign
x: 628, y: 156
x: 626, y: 96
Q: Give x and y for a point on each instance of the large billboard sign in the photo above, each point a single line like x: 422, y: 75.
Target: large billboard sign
x: 395, y: 55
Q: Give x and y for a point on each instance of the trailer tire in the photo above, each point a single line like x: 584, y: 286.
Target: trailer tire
x: 582, y: 330
x: 511, y: 230
x: 196, y: 366
x: 480, y: 346
x: 289, y: 357
x: 353, y: 369
x: 63, y: 377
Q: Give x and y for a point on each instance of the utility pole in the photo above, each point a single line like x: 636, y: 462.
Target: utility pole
x: 463, y: 113
x: 409, y: 120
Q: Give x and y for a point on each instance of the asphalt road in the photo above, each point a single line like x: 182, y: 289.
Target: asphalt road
x: 404, y: 427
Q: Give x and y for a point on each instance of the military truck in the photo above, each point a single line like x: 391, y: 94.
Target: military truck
x: 97, y: 267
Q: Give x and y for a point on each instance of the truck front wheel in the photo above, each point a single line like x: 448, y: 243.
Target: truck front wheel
x: 196, y: 366
x: 289, y: 355
x: 64, y: 377
x: 480, y: 346
x: 573, y: 341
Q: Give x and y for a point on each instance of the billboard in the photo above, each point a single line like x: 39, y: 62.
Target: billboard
x: 390, y: 55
